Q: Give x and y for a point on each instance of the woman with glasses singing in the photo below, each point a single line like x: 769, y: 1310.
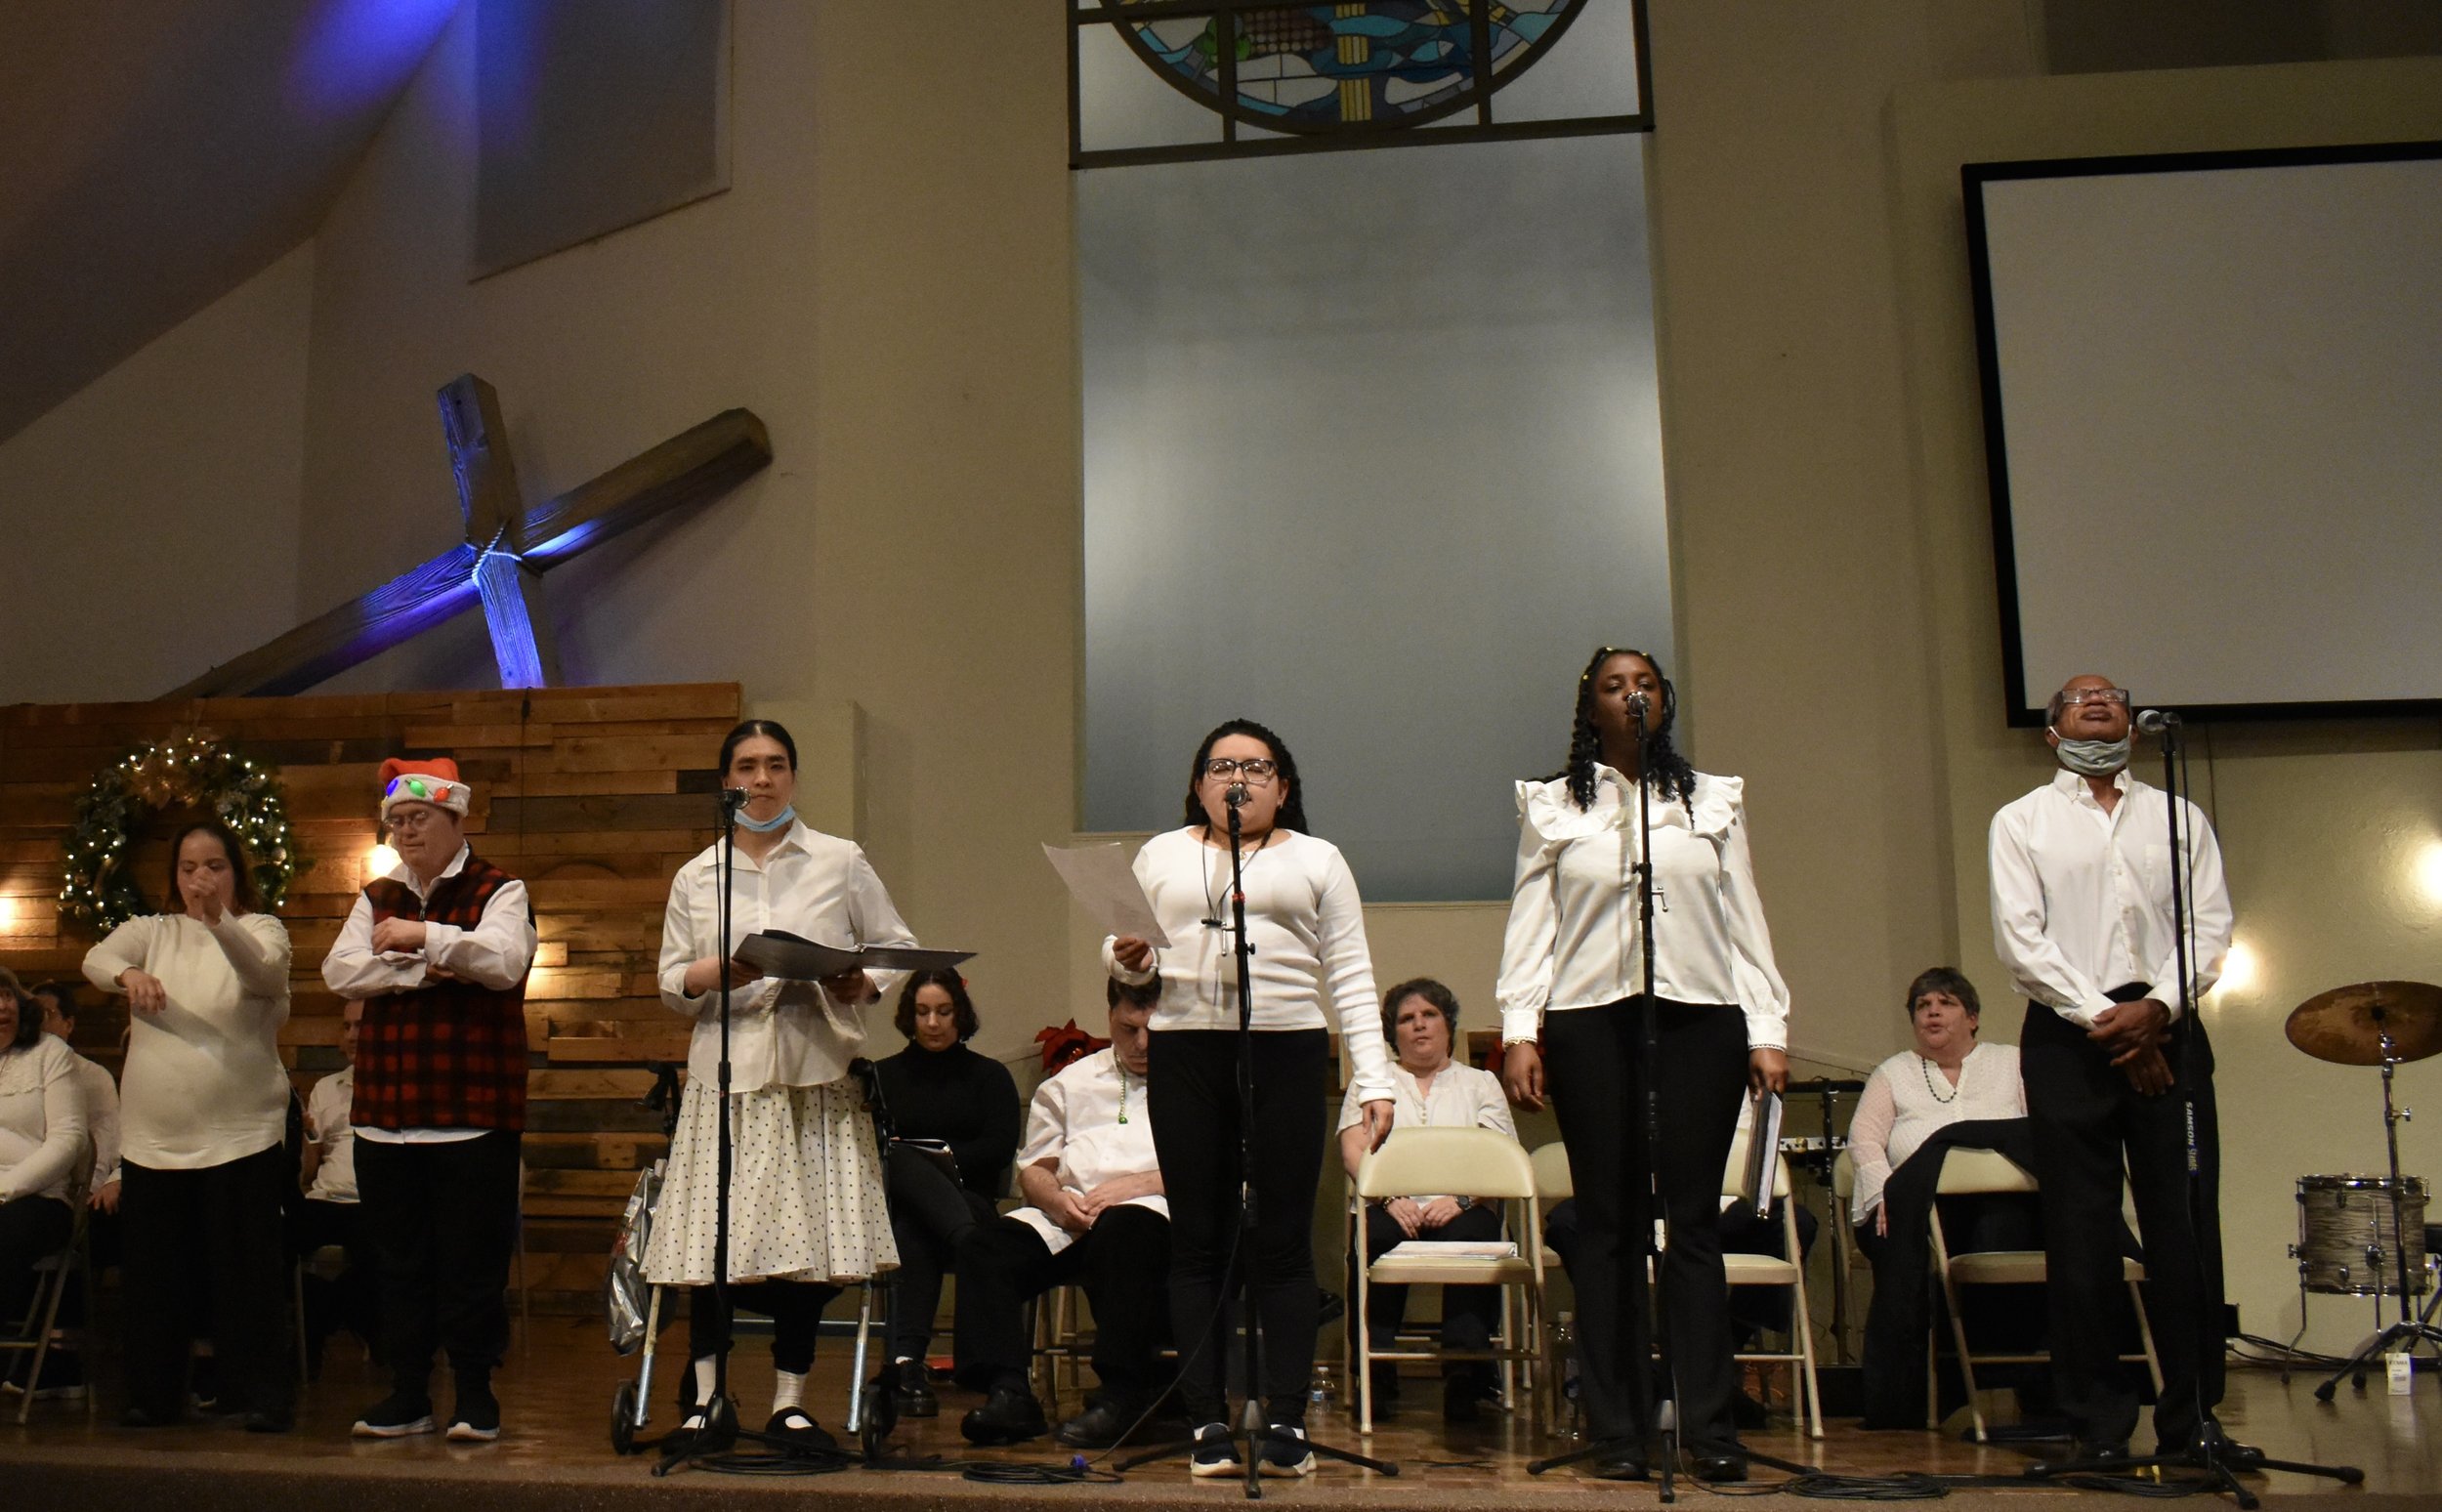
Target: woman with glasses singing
x: 1573, y: 1011
x: 1310, y: 965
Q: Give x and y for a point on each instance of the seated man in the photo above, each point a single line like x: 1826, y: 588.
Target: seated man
x: 332, y: 1214
x: 1096, y: 1216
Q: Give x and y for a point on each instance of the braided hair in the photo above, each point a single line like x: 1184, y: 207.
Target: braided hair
x: 1670, y: 770
x: 1292, y: 814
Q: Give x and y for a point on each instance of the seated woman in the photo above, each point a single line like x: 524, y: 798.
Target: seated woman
x: 1420, y: 1020
x: 42, y: 1143
x: 1946, y: 1078
x: 940, y: 1093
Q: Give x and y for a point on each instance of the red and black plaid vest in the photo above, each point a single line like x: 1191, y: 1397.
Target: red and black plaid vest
x: 450, y: 1055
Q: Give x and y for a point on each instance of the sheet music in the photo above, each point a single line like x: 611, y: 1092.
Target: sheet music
x: 1452, y: 1250
x: 779, y: 954
x: 1105, y: 886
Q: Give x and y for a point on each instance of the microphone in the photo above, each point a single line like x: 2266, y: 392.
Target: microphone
x: 2155, y: 721
x: 1236, y: 795
x: 732, y: 799
x: 1637, y: 706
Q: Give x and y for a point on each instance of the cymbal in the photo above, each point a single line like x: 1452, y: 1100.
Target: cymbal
x: 2345, y: 1026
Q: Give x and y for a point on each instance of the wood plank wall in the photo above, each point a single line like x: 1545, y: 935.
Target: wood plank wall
x: 593, y: 795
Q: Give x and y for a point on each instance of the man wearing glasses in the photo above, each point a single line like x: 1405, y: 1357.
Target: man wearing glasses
x: 438, y: 953
x: 2081, y: 880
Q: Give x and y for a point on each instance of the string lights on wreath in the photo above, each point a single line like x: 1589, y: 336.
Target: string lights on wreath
x: 189, y: 771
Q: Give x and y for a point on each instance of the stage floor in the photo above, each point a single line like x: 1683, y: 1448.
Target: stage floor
x: 555, y: 1452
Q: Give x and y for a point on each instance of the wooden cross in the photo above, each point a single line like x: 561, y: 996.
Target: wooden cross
x: 506, y: 550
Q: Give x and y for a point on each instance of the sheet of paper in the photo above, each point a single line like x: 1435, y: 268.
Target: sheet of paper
x: 1452, y: 1249
x: 1105, y: 886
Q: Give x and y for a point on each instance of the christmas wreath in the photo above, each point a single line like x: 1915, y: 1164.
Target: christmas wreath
x: 184, y: 772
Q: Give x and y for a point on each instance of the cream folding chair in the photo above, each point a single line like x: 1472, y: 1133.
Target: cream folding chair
x: 1846, y: 1258
x: 1478, y: 1162
x: 1553, y: 1185
x: 1773, y: 1271
x: 1976, y: 1171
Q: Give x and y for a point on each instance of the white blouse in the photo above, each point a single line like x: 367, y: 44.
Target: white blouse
x: 1571, y: 940
x: 782, y: 1033
x: 42, y: 1118
x: 1908, y: 1097
x: 1076, y: 1125
x: 203, y: 1085
x: 1308, y: 928
x: 327, y: 1108
x: 102, y: 1120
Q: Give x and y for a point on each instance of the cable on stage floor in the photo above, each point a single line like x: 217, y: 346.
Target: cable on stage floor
x: 1823, y: 1487
x: 1077, y: 1472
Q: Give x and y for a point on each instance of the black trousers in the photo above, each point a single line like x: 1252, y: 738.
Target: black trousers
x: 2086, y: 1118
x: 1193, y: 1087
x: 929, y: 1216
x: 1123, y: 1264
x: 354, y: 1300
x: 443, y: 1218
x: 1469, y: 1314
x: 208, y: 1243
x: 31, y: 1228
x: 1593, y: 1061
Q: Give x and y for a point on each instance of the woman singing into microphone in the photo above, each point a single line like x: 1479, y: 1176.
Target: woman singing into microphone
x: 1310, y: 965
x: 1573, y: 1011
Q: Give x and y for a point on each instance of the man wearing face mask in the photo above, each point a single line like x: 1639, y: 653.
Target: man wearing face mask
x: 2081, y: 878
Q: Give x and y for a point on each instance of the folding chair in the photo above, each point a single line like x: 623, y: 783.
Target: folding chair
x: 42, y: 1313
x: 1478, y: 1162
x: 1977, y: 1171
x: 1775, y: 1271
x: 1553, y: 1185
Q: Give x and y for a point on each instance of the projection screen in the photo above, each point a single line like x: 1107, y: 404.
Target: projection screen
x: 2212, y: 401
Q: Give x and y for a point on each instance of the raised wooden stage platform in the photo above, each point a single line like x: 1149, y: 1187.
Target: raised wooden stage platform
x: 555, y: 1453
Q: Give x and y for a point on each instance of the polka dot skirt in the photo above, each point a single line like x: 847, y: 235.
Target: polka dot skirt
x: 806, y: 1200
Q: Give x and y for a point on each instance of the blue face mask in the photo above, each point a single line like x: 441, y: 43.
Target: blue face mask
x: 2095, y: 758
x: 765, y: 826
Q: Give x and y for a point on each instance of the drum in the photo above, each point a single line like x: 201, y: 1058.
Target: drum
x: 2344, y: 1234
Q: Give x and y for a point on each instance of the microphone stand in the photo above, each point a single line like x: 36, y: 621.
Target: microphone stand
x: 2212, y: 1451
x: 1255, y: 1430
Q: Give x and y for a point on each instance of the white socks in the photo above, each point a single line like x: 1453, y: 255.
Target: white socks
x: 706, y: 1369
x: 789, y: 1390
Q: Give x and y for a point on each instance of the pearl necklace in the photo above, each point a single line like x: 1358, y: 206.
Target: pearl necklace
x: 1926, y: 1066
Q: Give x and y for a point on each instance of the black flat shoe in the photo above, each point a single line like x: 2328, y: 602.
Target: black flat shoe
x: 1623, y: 1462
x: 1719, y: 1469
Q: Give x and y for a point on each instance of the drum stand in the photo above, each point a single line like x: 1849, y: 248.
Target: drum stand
x: 2410, y: 1330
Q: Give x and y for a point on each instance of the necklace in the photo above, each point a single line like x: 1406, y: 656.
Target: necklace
x: 1212, y: 905
x: 1123, y: 1090
x: 1926, y: 1066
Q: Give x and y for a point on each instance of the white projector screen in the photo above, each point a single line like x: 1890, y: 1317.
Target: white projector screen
x: 2212, y: 393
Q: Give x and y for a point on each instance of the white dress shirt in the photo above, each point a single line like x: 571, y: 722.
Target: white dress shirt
x: 1908, y: 1097
x: 496, y: 954
x: 203, y: 1083
x: 1571, y: 940
x: 1461, y: 1097
x: 1308, y: 928
x: 326, y: 1124
x: 42, y: 1120
x: 812, y: 885
x: 2082, y: 899
x: 1075, y: 1123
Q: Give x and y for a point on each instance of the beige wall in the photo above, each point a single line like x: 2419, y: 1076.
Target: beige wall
x: 887, y: 285
x: 152, y: 518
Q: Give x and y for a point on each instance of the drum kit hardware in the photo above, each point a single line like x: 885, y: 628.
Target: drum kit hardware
x: 2365, y: 1236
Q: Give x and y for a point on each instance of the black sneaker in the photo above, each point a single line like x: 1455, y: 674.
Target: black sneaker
x: 1009, y: 1415
x: 398, y: 1415
x: 474, y: 1417
x: 799, y: 1429
x: 1214, y: 1453
x: 912, y: 1387
x: 1285, y: 1453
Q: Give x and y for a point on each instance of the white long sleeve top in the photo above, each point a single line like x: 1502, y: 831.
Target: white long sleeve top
x: 812, y: 885
x: 495, y: 954
x: 203, y: 1083
x: 42, y: 1120
x: 102, y: 1120
x: 1908, y: 1097
x: 1308, y: 928
x: 1077, y: 1123
x: 326, y: 1124
x: 2082, y: 899
x: 1573, y: 938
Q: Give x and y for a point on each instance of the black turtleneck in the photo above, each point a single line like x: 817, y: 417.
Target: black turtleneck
x: 967, y: 1101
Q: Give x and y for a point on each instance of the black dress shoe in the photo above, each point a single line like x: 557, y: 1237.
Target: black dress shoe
x: 1009, y: 1415
x: 1718, y: 1467
x: 1623, y: 1462
x: 913, y: 1389
x: 2098, y: 1450
x: 1101, y: 1425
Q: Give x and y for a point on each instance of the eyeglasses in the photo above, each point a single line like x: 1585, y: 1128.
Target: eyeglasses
x: 1254, y: 768
x: 2119, y: 696
x: 412, y: 819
